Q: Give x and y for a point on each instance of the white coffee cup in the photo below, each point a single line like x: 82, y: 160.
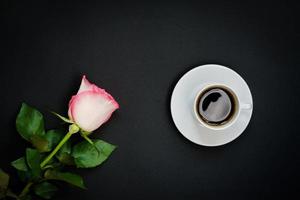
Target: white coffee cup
x: 229, y: 100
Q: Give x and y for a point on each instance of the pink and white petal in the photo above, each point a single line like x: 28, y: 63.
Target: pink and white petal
x: 69, y: 110
x: 106, y: 95
x: 70, y: 114
x: 85, y: 85
x: 90, y: 110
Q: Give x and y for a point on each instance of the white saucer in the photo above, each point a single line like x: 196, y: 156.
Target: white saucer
x: 182, y: 101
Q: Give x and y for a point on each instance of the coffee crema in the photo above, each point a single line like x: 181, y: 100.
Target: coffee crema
x: 216, y: 105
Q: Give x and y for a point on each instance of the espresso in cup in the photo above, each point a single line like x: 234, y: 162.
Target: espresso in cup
x: 216, y: 106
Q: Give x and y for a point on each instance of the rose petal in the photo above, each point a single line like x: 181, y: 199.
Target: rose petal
x: 85, y: 85
x: 90, y: 109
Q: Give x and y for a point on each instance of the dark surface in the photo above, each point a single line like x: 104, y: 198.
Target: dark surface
x: 138, y: 52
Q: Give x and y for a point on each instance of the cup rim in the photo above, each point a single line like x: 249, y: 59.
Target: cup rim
x: 233, y: 118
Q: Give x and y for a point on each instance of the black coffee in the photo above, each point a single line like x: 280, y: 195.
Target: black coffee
x: 216, y: 106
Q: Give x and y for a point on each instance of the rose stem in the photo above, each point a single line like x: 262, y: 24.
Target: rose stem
x: 72, y: 129
x: 26, y: 189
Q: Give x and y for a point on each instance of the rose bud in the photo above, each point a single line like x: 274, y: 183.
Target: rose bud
x: 91, y: 106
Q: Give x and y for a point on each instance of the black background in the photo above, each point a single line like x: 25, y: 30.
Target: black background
x: 138, y: 51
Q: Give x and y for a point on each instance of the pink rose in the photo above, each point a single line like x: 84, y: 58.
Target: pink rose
x: 91, y: 106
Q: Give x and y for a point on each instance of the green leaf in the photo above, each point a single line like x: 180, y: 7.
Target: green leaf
x: 47, y: 142
x: 33, y: 159
x: 25, y: 175
x: 20, y: 164
x: 40, y: 143
x: 87, y: 155
x: 64, y: 154
x: 45, y: 190
x: 66, y: 159
x: 62, y: 118
x: 66, y: 148
x: 29, y: 122
x: 53, y: 137
x: 4, y: 180
x: 70, y: 178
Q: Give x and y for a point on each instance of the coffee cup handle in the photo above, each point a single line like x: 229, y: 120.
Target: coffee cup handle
x: 245, y: 106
